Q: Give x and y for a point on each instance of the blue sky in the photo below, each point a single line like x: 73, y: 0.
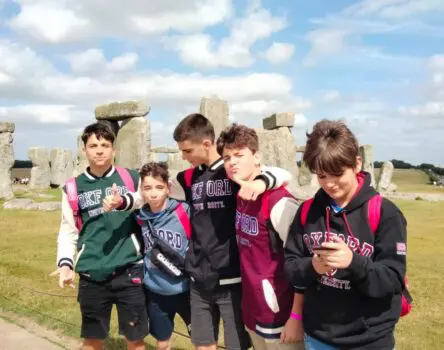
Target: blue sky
x: 378, y: 64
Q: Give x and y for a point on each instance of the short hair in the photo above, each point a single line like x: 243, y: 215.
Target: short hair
x: 102, y: 131
x: 238, y: 136
x: 194, y: 127
x: 155, y: 169
x: 330, y: 148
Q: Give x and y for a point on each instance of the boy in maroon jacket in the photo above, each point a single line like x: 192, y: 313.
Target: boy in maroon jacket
x: 270, y: 309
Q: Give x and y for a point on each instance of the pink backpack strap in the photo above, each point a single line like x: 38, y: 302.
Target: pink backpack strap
x: 184, y: 220
x: 73, y: 200
x: 304, y: 210
x: 126, y: 178
x: 374, y: 212
x: 188, y: 175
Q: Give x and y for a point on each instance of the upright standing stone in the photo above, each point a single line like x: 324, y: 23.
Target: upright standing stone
x: 385, y: 177
x: 216, y: 111
x: 176, y: 163
x: 40, y: 172
x: 366, y: 152
x: 80, y: 163
x: 61, y: 166
x: 278, y: 148
x: 306, y: 177
x: 133, y: 143
x: 6, y: 159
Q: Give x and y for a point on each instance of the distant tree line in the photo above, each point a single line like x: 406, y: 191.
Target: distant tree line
x: 400, y: 164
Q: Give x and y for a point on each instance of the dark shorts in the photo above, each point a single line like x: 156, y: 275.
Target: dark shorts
x: 161, y: 312
x: 126, y: 291
x: 207, y: 307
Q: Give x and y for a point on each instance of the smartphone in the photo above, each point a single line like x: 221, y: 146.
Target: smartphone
x: 323, y: 249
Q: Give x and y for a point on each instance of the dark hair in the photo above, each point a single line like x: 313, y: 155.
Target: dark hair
x: 237, y: 136
x: 155, y: 169
x: 194, y: 127
x: 330, y: 148
x: 101, y: 131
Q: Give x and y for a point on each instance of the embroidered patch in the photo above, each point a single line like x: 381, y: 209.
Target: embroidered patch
x: 401, y: 248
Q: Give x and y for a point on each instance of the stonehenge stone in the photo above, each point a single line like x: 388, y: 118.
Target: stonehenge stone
x: 6, y: 159
x: 122, y: 110
x: 278, y: 120
x: 278, y: 148
x: 385, y: 177
x: 366, y: 153
x: 216, y: 111
x: 40, y: 172
x: 80, y: 163
x: 133, y: 143
x: 176, y: 163
x: 7, y: 127
x: 306, y: 177
x: 164, y: 149
x: 112, y: 124
x: 61, y: 166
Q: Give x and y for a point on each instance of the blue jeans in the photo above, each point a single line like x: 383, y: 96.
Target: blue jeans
x: 314, y: 344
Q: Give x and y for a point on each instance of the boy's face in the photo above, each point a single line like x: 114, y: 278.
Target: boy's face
x: 195, y: 152
x: 341, y: 188
x: 155, y: 191
x: 99, y: 152
x: 240, y: 162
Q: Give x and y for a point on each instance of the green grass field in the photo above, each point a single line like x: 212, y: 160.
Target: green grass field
x: 27, y: 256
x: 412, y: 180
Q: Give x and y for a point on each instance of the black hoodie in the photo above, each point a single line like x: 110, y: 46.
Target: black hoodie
x: 356, y: 307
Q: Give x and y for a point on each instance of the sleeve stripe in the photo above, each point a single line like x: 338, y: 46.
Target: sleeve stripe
x: 66, y: 262
x: 271, y: 178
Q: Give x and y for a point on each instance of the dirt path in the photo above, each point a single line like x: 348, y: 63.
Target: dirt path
x: 21, y: 333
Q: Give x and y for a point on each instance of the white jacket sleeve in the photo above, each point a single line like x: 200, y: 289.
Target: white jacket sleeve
x: 282, y: 215
x: 68, y: 234
x: 275, y: 177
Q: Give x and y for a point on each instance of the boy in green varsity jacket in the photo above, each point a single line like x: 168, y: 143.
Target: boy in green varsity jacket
x: 109, y: 260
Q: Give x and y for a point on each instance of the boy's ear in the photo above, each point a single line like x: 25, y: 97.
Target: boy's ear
x: 207, y: 143
x: 257, y: 158
x: 358, y: 166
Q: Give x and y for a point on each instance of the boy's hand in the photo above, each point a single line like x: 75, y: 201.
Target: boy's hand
x: 293, y: 331
x: 66, y: 276
x: 250, y: 190
x: 113, y: 201
x: 319, y: 265
x: 337, y: 254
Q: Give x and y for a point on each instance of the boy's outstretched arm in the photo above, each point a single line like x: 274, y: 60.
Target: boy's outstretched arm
x: 66, y: 245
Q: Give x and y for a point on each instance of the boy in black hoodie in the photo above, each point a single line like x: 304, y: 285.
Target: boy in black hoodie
x: 352, y: 279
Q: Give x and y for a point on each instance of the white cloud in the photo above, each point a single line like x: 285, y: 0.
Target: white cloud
x: 65, y: 21
x: 394, y: 8
x: 93, y: 62
x: 42, y: 114
x: 331, y: 96
x: 324, y: 42
x: 429, y: 109
x: 342, y: 31
x: 279, y: 52
x: 200, y: 50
